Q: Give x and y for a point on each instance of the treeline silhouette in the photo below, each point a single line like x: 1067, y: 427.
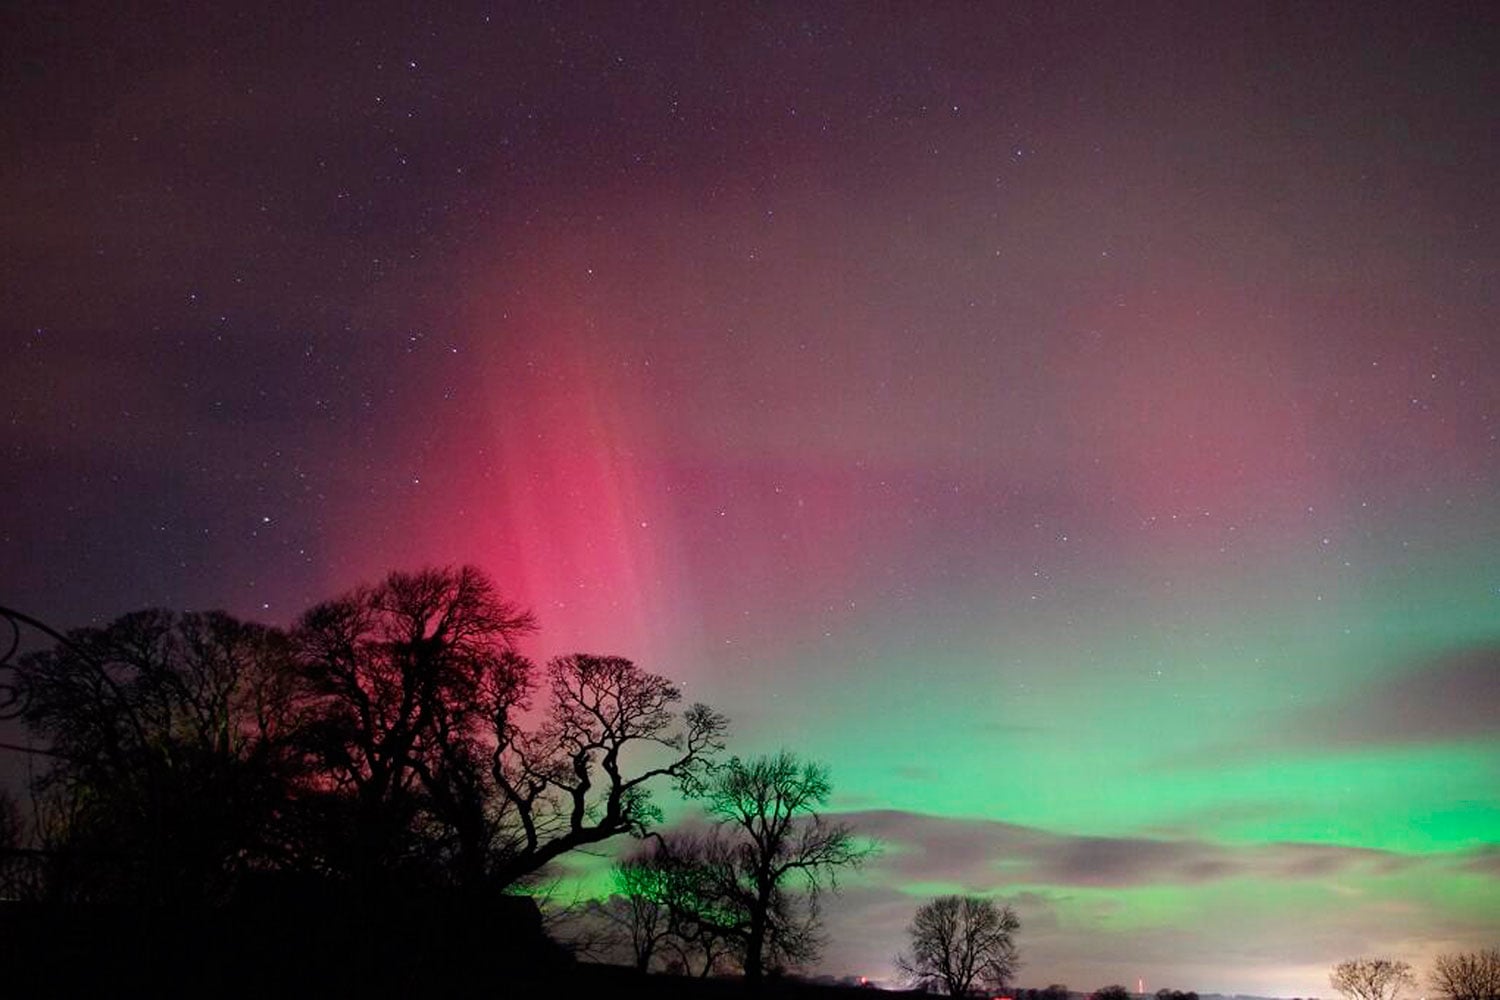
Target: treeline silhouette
x: 362, y: 795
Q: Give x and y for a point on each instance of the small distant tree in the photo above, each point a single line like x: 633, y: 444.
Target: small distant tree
x: 1056, y: 991
x: 1468, y: 975
x: 958, y: 942
x: 1170, y: 994
x: 1372, y: 978
x: 1114, y: 992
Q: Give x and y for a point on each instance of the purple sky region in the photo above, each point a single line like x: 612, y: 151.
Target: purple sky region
x: 1075, y: 424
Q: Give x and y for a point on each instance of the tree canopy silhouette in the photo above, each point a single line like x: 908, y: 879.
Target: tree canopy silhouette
x: 400, y: 681
x: 1473, y: 975
x: 389, y: 736
x: 1371, y: 978
x: 170, y: 741
x: 774, y: 842
x: 566, y: 782
x: 745, y: 889
x: 1166, y: 993
x: 673, y: 900
x: 958, y: 942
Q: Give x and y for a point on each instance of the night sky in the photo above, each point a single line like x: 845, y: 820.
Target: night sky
x: 1077, y: 424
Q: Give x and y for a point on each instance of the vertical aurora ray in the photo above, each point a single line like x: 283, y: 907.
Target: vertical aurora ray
x: 575, y: 463
x: 1153, y: 612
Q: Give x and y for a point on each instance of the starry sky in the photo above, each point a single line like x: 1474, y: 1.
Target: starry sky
x: 1074, y: 423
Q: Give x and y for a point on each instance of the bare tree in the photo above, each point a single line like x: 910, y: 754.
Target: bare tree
x: 1371, y: 978
x: 384, y: 740
x: 958, y: 942
x: 170, y: 744
x: 779, y: 843
x: 668, y: 908
x: 702, y: 893
x: 1468, y: 975
x: 419, y: 696
x: 639, y: 906
x: 580, y: 926
x: 565, y: 786
x: 399, y: 677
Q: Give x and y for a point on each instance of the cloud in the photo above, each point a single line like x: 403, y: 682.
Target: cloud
x: 1237, y: 938
x: 1453, y: 696
x: 1225, y: 925
x: 979, y: 855
x: 1483, y: 861
x: 916, y: 772
x: 1445, y: 698
x: 1217, y: 815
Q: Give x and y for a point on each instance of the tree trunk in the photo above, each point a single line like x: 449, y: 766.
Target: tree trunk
x: 755, y: 942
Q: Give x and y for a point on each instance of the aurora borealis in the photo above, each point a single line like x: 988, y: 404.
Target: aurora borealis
x: 1079, y: 426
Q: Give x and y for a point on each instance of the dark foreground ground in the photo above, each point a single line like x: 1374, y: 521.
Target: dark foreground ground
x: 297, y: 948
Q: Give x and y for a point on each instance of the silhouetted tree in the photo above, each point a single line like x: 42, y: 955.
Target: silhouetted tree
x: 1468, y: 975
x: 704, y: 898
x: 775, y: 842
x: 1113, y: 992
x: 668, y: 904
x: 380, y: 742
x: 170, y: 741
x: 585, y: 928
x: 1056, y: 991
x: 417, y: 691
x: 401, y: 678
x: 958, y: 942
x: 639, y: 906
x: 566, y: 785
x: 1371, y: 978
